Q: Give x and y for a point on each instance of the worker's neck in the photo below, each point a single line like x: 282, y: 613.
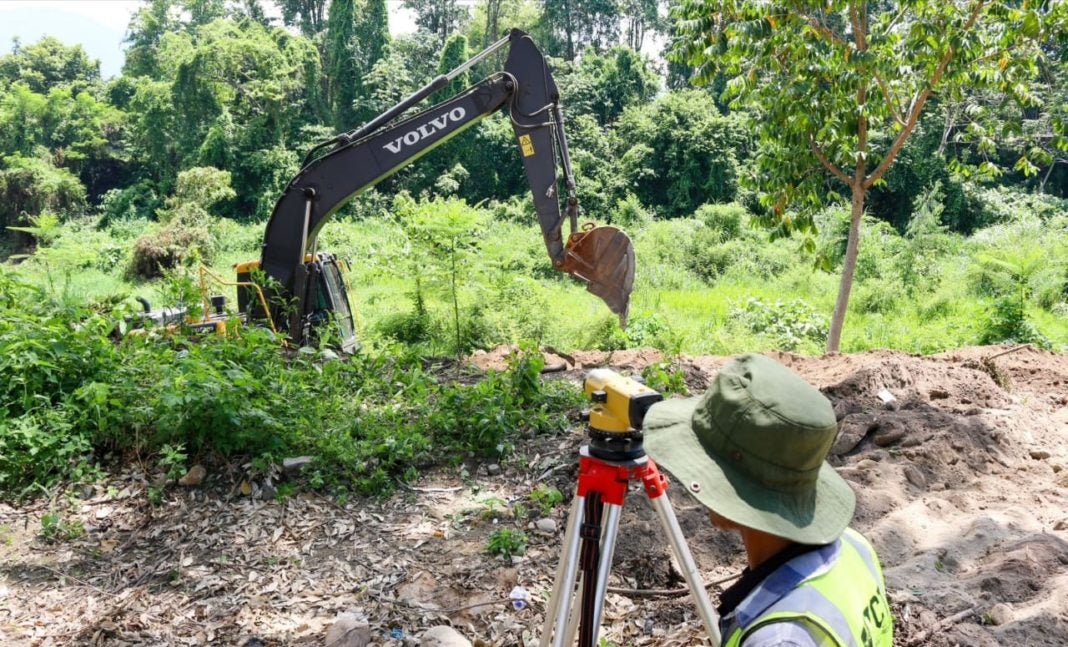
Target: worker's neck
x: 760, y: 546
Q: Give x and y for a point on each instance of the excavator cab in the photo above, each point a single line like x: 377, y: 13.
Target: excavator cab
x: 326, y: 306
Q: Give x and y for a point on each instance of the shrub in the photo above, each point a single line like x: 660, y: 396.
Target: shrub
x: 31, y: 185
x: 507, y: 542
x: 876, y: 297
x: 1008, y: 324
x: 709, y: 258
x: 137, y: 201
x: 169, y: 247
x: 789, y: 324
x: 727, y: 219
x: 630, y: 214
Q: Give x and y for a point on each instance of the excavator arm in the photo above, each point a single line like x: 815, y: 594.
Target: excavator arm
x: 602, y: 257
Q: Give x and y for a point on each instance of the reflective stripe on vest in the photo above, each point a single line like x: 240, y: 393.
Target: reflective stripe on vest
x: 843, y: 599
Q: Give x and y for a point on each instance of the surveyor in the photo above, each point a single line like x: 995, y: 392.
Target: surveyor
x: 752, y: 450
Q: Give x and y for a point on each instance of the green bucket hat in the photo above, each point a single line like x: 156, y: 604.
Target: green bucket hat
x: 752, y: 449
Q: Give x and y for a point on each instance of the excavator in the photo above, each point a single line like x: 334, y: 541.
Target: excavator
x: 310, y: 290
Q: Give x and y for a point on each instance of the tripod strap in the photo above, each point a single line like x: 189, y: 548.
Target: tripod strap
x: 589, y: 557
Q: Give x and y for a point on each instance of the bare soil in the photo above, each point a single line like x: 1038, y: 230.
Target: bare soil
x: 961, y: 481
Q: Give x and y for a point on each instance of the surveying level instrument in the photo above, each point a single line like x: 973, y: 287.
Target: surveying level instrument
x: 612, y: 459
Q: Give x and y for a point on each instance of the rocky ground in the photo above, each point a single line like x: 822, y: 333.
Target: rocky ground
x: 958, y: 461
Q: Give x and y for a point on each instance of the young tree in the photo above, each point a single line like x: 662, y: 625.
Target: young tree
x: 342, y: 66
x: 144, y: 34
x: 372, y: 46
x: 452, y: 56
x: 838, y: 86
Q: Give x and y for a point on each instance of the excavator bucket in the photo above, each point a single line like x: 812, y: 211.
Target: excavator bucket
x: 603, y: 257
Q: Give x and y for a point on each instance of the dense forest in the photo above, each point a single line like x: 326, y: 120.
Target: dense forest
x: 741, y: 148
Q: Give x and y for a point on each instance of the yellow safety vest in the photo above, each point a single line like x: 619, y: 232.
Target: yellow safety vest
x: 838, y: 591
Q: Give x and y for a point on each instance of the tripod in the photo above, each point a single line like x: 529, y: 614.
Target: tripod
x: 605, y: 472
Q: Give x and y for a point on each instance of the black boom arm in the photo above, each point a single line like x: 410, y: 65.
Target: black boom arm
x: 364, y: 157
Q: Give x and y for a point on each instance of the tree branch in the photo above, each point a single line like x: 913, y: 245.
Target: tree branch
x: 824, y: 30
x: 919, y: 101
x: 894, y: 112
x: 827, y: 164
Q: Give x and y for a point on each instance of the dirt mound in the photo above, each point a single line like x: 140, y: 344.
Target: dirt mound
x: 958, y: 462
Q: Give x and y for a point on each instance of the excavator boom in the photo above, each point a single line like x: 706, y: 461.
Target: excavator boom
x: 602, y: 257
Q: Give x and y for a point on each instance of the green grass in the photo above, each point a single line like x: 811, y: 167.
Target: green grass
x: 523, y: 298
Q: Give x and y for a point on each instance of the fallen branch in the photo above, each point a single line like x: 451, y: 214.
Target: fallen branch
x: 1006, y: 352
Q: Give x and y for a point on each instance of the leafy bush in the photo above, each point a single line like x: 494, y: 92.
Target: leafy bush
x: 790, y: 324
x: 727, y: 219
x: 137, y: 201
x: 72, y: 392
x: 876, y: 297
x: 507, y: 542
x: 170, y: 247
x: 630, y: 214
x: 1008, y: 324
x: 710, y: 258
x: 32, y: 185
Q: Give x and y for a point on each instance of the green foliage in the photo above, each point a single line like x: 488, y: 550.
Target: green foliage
x: 789, y: 324
x: 926, y: 242
x: 604, y: 85
x: 507, y: 542
x: 682, y: 152
x: 31, y: 185
x: 452, y: 55
x: 49, y: 63
x: 727, y: 220
x: 447, y: 233
x: 137, y: 201
x: 55, y: 527
x: 342, y: 62
x: 1008, y: 324
x: 666, y: 377
x: 44, y: 228
x: 545, y: 498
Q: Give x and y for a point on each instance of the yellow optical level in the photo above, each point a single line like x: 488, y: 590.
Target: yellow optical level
x: 620, y: 403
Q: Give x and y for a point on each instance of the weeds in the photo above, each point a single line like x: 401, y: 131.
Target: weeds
x: 545, y: 498
x: 507, y: 542
x: 56, y: 528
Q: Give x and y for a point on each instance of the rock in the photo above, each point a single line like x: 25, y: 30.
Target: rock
x: 866, y: 465
x: 194, y: 476
x: 268, y: 491
x: 350, y: 629
x: 1061, y: 525
x: 852, y: 429
x: 1000, y: 614
x: 546, y: 526
x: 938, y: 487
x: 86, y: 491
x: 443, y: 636
x: 295, y: 465
x: 915, y: 476
x: 890, y: 432
x: 1039, y: 454
x: 493, y: 469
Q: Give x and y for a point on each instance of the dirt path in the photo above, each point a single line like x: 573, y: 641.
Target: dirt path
x: 961, y: 481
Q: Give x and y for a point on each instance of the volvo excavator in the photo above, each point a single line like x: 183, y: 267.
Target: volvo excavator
x: 310, y: 285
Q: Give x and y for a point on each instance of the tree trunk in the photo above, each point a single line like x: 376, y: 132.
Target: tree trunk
x: 849, y: 268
